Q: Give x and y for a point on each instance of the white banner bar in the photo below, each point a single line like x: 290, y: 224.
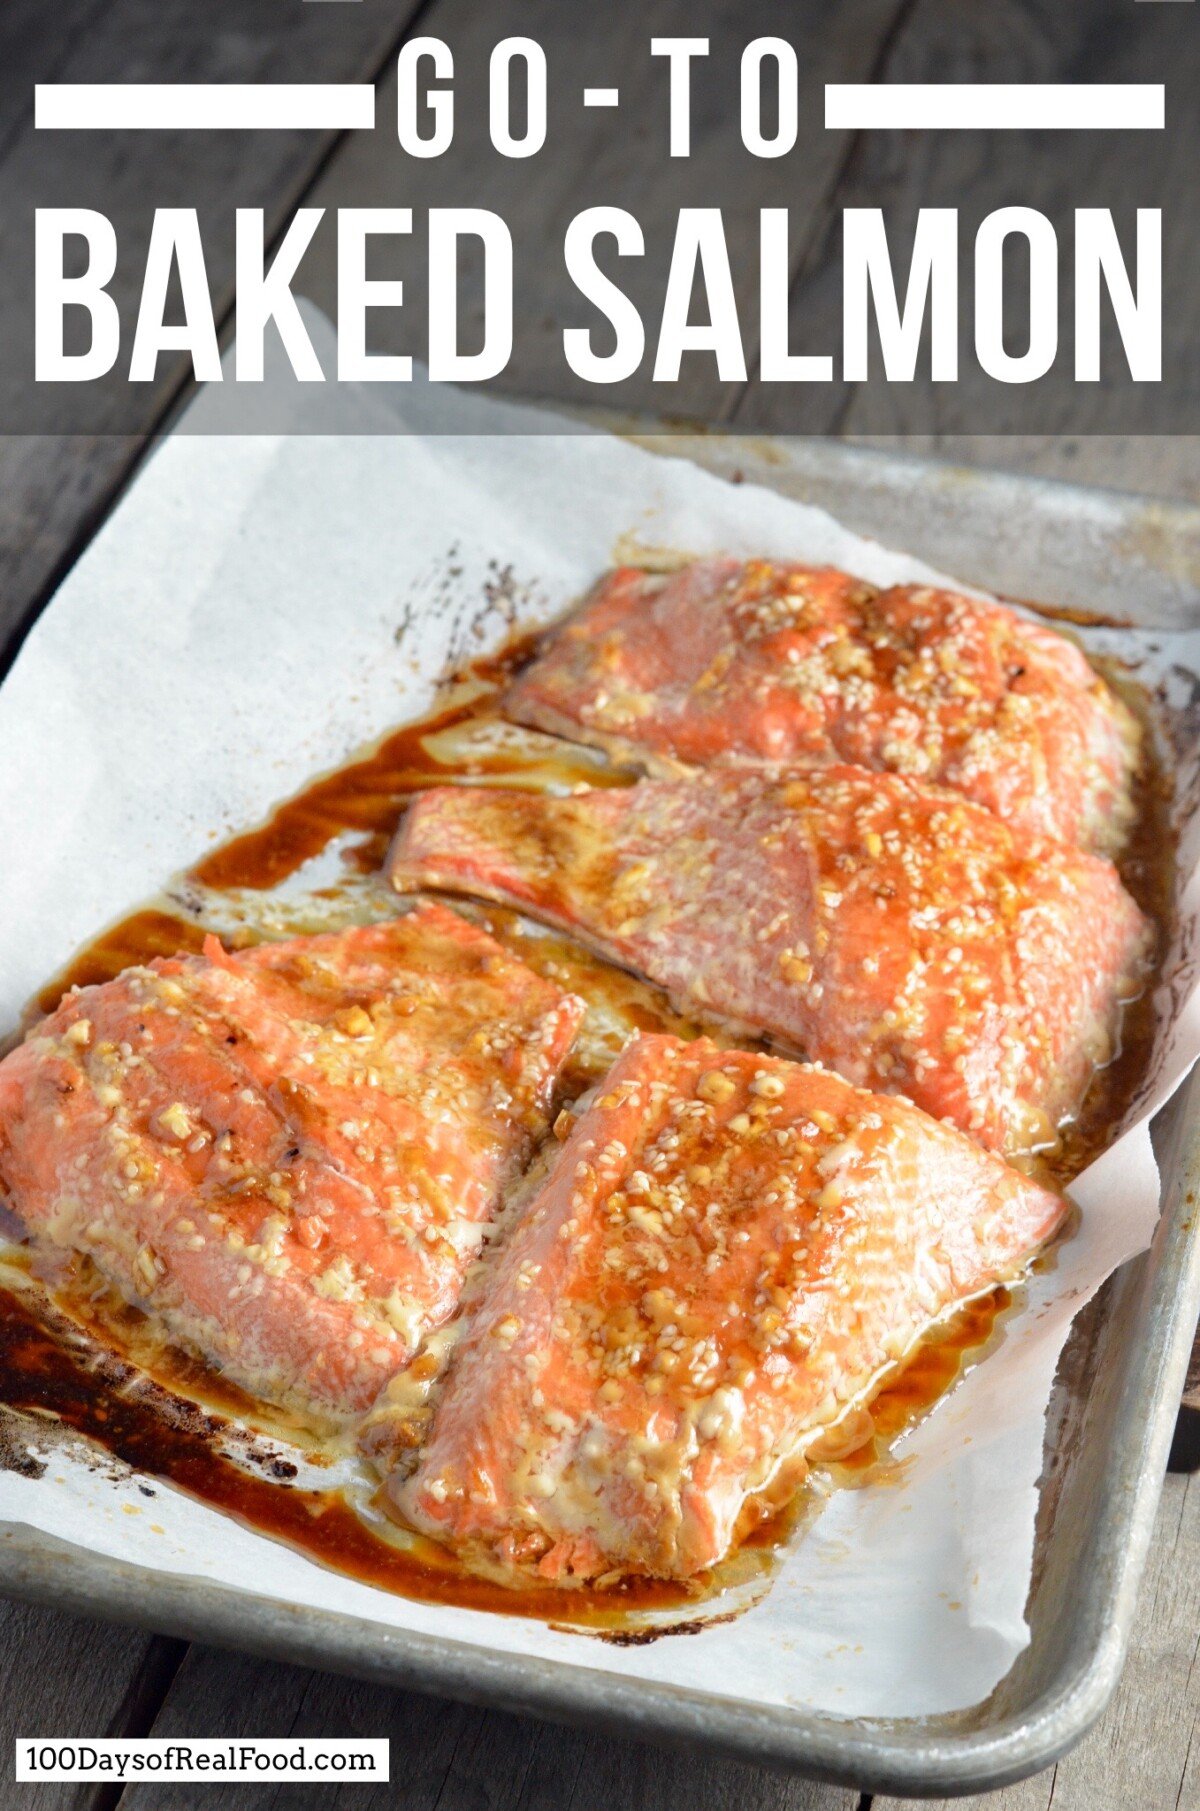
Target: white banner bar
x: 322, y: 1760
x: 995, y: 106
x: 203, y: 106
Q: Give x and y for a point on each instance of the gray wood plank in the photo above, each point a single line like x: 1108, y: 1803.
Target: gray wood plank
x: 1013, y: 41
x: 618, y: 159
x: 66, y: 1676
x: 53, y: 490
x: 445, y: 1756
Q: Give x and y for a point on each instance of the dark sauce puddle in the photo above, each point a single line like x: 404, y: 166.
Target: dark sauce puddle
x: 70, y: 1382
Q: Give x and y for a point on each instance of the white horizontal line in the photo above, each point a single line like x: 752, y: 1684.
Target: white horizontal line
x: 994, y: 106
x: 600, y: 97
x: 205, y: 106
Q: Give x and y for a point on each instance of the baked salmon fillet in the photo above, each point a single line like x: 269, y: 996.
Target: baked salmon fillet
x: 889, y: 929
x: 289, y: 1155
x: 727, y: 1257
x: 764, y: 662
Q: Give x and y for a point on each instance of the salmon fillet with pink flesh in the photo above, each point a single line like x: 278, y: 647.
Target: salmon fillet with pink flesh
x: 892, y: 930
x: 732, y: 660
x: 728, y: 1254
x: 289, y: 1155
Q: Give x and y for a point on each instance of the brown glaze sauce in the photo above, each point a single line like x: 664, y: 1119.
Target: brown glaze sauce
x: 139, y: 938
x: 165, y: 1435
x: 931, y: 1372
x: 161, y: 1431
x: 367, y: 796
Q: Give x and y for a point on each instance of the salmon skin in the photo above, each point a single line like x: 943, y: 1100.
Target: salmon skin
x: 727, y: 1256
x: 892, y: 930
x: 777, y: 663
x: 289, y: 1155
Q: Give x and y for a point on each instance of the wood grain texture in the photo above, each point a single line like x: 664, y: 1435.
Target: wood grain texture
x: 65, y: 1676
x: 444, y: 1756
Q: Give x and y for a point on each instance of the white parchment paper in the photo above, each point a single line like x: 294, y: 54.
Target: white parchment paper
x: 231, y: 631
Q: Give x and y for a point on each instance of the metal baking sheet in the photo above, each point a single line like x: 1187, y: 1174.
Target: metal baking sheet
x: 1122, y: 1370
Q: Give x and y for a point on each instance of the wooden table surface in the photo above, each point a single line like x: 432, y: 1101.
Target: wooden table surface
x: 63, y: 1676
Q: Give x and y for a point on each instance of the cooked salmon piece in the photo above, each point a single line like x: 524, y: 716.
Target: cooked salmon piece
x: 757, y: 661
x: 729, y: 1254
x: 289, y: 1155
x: 890, y: 929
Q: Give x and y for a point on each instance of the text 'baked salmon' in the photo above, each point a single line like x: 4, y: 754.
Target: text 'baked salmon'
x: 289, y: 1155
x: 892, y: 930
x: 729, y: 1253
x: 732, y: 660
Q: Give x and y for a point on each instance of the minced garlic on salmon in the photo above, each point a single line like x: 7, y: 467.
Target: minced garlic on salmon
x: 890, y: 929
x: 289, y: 1155
x: 777, y: 662
x: 729, y: 1251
